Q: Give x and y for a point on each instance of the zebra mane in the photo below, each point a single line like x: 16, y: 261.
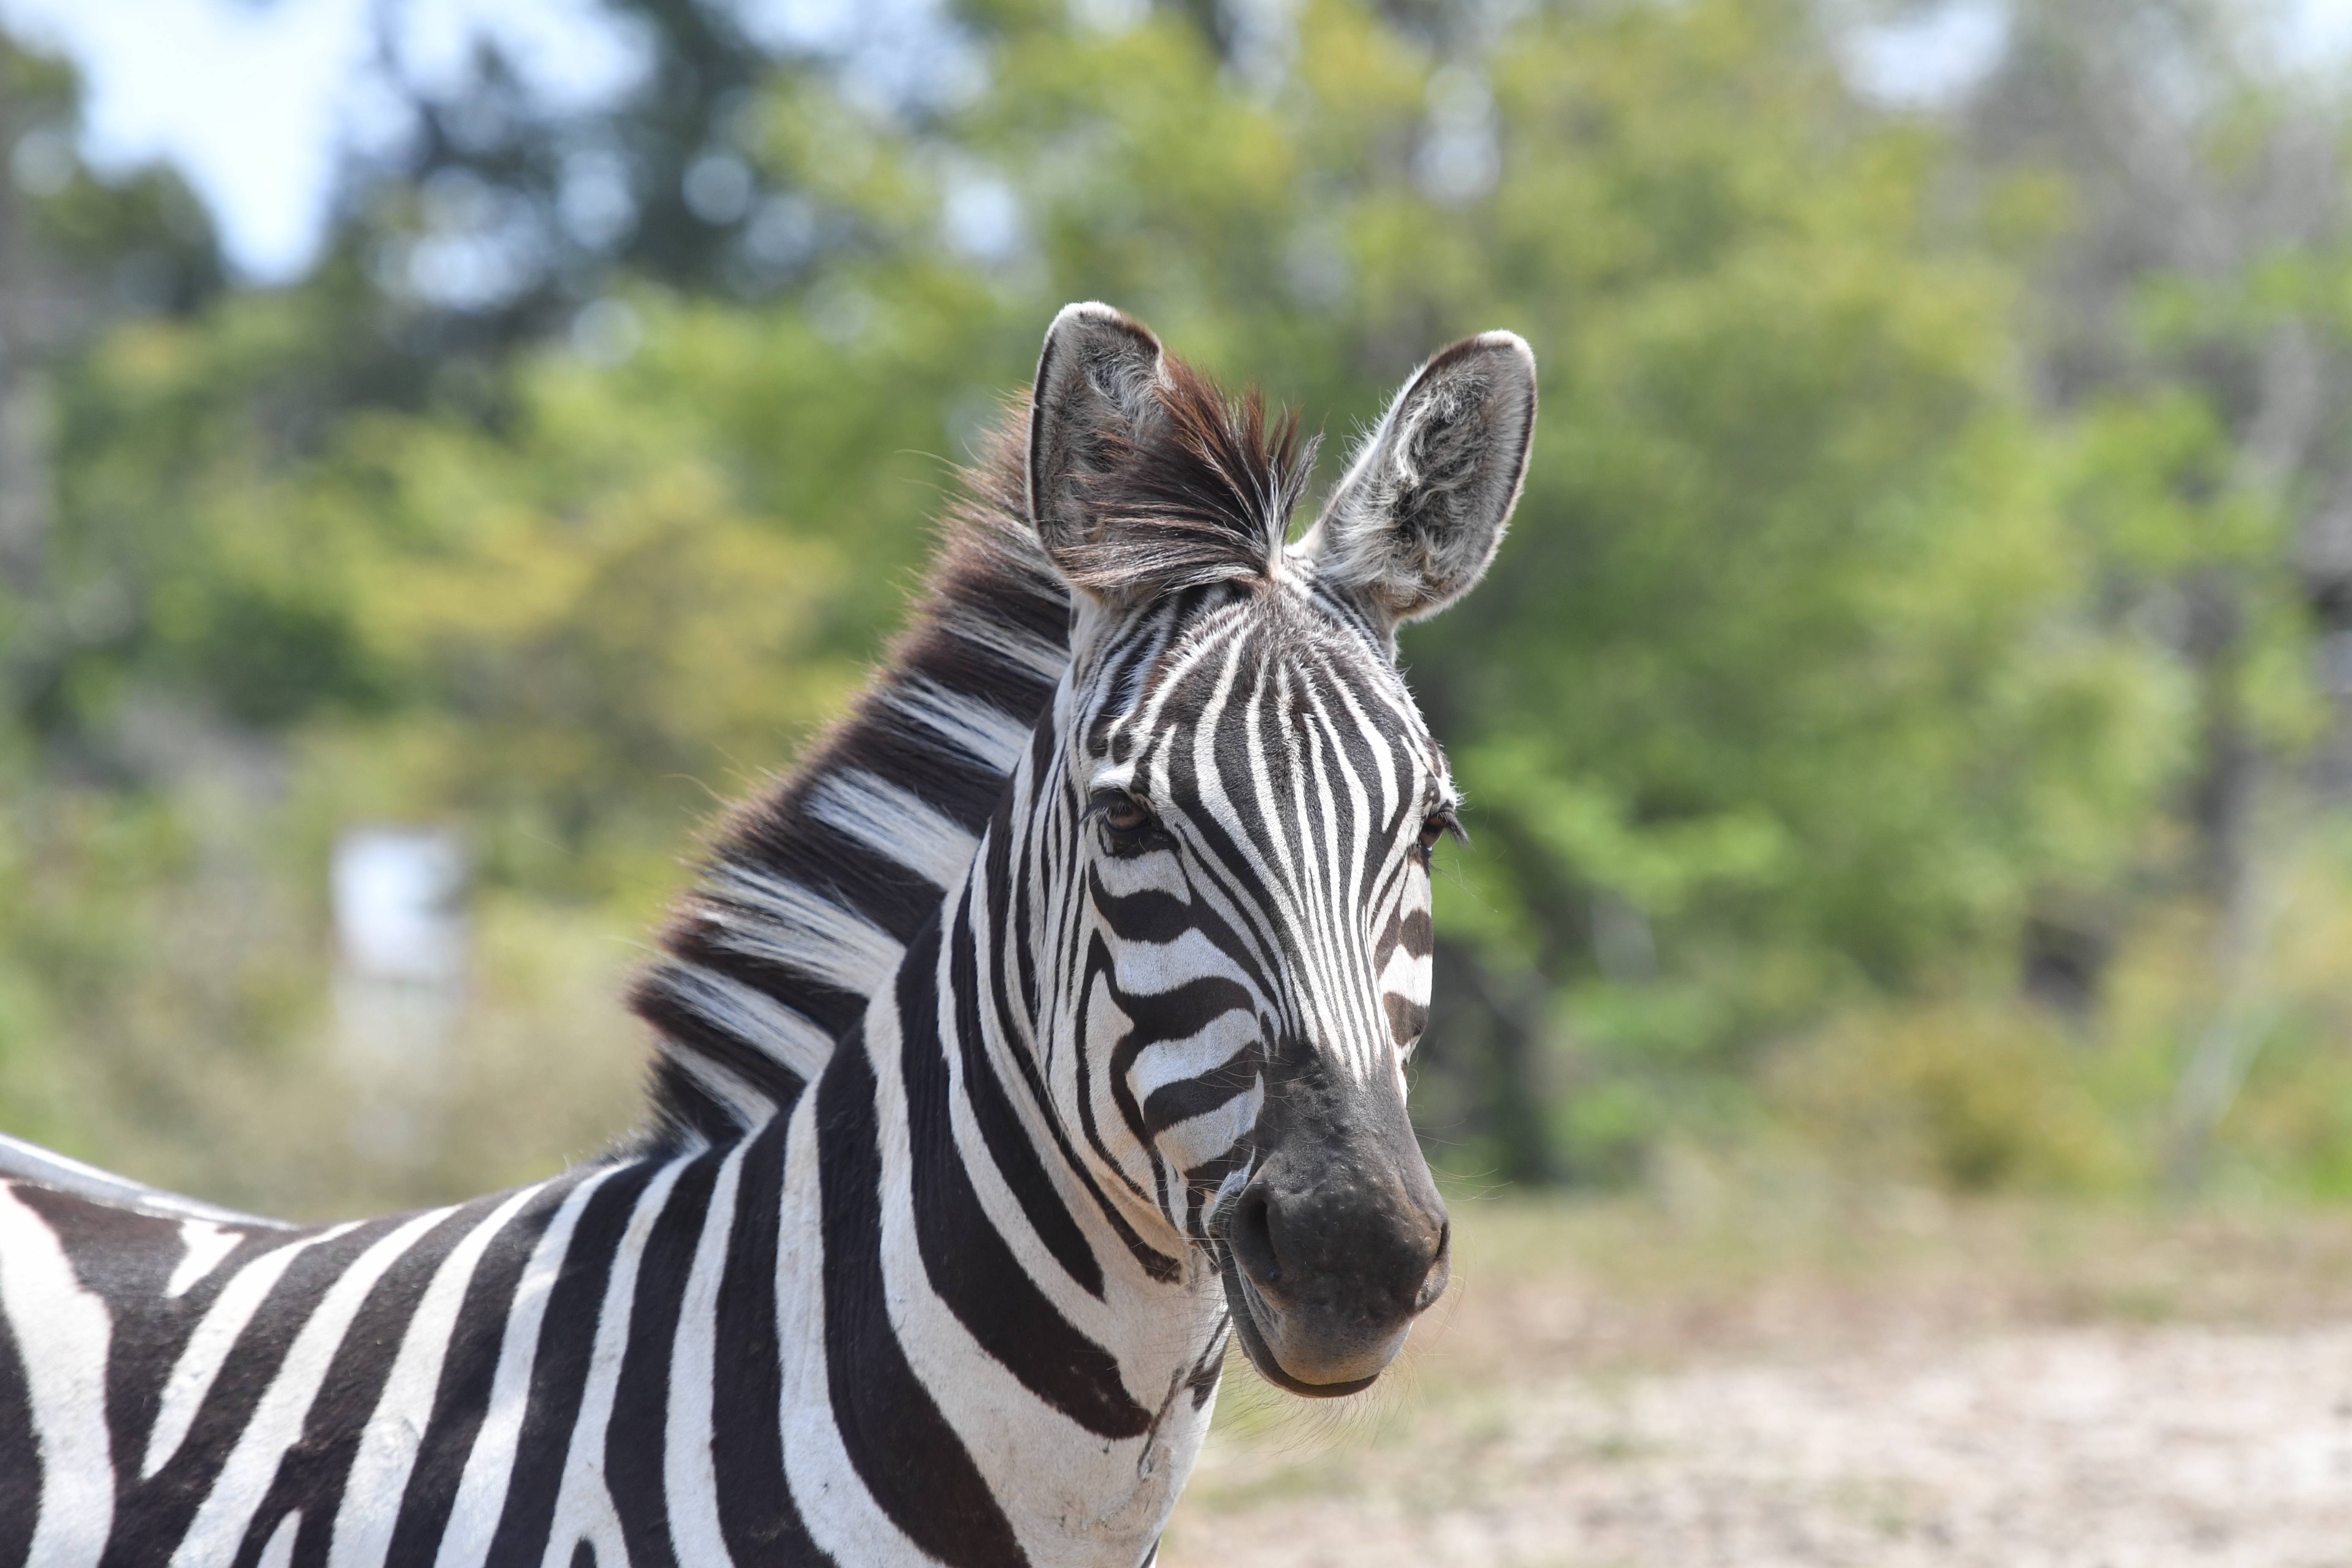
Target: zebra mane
x: 810, y: 892
x: 1201, y: 493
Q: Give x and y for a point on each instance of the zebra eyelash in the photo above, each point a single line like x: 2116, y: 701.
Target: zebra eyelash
x: 1441, y: 823
x: 1143, y: 835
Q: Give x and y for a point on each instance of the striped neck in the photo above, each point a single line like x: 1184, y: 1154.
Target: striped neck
x: 1041, y: 1378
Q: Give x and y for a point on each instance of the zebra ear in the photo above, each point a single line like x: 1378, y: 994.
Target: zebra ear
x: 1096, y: 397
x: 1419, y: 514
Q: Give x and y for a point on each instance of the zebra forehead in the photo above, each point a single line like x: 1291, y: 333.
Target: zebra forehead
x: 1256, y: 670
x: 1260, y: 633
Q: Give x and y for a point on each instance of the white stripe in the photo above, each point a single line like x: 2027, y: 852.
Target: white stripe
x: 202, y: 1357
x: 753, y: 1017
x: 203, y: 1245
x: 1193, y: 1142
x: 842, y: 1517
x: 895, y: 823
x: 482, y: 1490
x: 221, y: 1523
x: 1008, y: 643
x: 62, y: 1331
x: 1406, y: 974
x: 388, y: 1444
x: 584, y: 1503
x: 20, y: 1161
x: 689, y: 1476
x: 981, y: 730
x: 1225, y: 1040
x: 750, y: 1106
x: 788, y: 924
x: 280, y: 1553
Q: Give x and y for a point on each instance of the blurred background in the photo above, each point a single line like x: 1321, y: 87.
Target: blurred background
x: 447, y: 447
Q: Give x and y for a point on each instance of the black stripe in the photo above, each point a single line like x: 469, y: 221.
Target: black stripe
x: 1203, y: 1181
x: 20, y: 1455
x: 1003, y: 885
x: 911, y: 1460
x: 635, y: 1441
x: 756, y: 1511
x: 797, y: 846
x: 256, y: 1540
x: 468, y: 1368
x: 1420, y: 940
x: 1407, y: 1019
x: 559, y: 1376
x: 1189, y: 1097
x: 126, y: 1259
x: 1208, y: 1368
x: 688, y: 1110
x: 946, y: 778
x: 969, y: 1262
x: 1008, y: 1144
x: 831, y: 1008
x: 1162, y: 1017
x: 1147, y: 915
x: 1385, y: 946
x: 312, y: 1474
x: 156, y: 1513
x: 665, y: 1000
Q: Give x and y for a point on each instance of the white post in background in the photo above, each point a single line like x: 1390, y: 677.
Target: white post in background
x: 400, y: 928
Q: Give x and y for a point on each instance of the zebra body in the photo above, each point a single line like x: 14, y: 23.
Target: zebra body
x: 966, y: 1169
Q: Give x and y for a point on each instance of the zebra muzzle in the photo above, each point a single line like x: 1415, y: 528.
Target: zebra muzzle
x: 1327, y: 1269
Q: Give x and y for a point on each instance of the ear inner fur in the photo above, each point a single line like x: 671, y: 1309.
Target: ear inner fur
x: 1422, y: 508
x: 1145, y: 477
x: 1093, y: 396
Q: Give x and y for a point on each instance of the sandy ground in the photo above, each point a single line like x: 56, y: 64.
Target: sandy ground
x: 2014, y: 1393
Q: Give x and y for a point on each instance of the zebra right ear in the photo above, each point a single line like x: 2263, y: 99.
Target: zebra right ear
x: 1097, y: 395
x: 1414, y: 523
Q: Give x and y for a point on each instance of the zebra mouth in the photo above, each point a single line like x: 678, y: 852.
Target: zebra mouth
x: 1250, y: 1311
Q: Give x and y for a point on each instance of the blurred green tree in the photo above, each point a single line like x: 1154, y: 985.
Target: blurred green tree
x: 2190, y: 327
x: 1796, y: 691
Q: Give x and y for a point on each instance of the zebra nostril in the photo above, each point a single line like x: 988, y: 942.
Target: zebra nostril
x: 1435, y: 1278
x: 1252, y: 1238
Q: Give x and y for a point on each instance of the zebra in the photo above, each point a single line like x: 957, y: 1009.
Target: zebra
x: 1043, y: 1032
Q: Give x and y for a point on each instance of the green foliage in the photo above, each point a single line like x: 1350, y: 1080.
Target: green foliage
x: 1821, y: 659
x: 1973, y: 1098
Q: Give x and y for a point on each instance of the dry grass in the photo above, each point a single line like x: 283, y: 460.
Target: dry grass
x: 1890, y: 1381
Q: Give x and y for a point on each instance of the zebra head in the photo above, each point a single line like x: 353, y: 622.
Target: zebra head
x: 1235, y: 827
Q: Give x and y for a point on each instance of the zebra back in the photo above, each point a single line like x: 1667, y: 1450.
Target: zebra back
x: 810, y: 892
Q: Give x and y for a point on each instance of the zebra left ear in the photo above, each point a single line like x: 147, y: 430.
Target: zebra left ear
x: 1417, y: 518
x: 1096, y: 397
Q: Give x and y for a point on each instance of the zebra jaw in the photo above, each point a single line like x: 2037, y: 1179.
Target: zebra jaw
x: 1320, y: 1327
x: 1244, y: 1302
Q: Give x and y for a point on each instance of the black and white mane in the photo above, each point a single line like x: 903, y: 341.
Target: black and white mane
x: 811, y: 891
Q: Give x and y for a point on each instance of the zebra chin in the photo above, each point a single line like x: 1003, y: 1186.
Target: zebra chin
x: 1315, y: 1366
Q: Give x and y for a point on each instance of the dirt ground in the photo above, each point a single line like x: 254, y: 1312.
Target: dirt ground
x: 1905, y: 1383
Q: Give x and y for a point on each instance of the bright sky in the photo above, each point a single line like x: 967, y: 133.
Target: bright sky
x: 252, y: 97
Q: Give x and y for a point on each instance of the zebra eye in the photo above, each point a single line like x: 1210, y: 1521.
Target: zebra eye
x: 1128, y: 822
x: 1436, y: 825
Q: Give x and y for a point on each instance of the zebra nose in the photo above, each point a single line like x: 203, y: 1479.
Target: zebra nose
x: 1327, y: 1248
x: 1440, y: 1271
x: 1253, y: 1240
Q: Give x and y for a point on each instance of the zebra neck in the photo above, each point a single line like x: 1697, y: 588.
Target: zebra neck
x: 1006, y: 1372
